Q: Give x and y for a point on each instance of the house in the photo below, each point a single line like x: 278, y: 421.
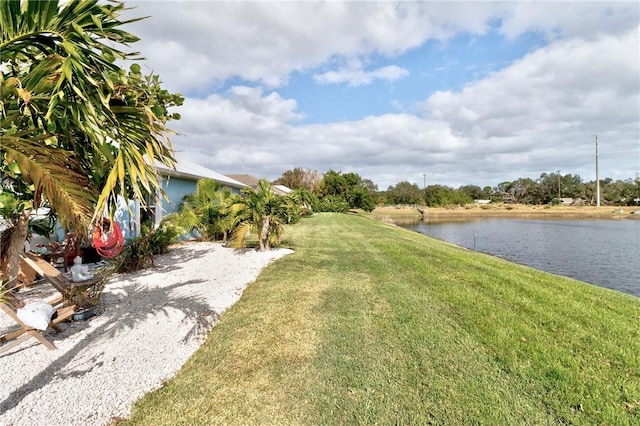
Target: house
x: 252, y: 181
x: 129, y: 215
x: 283, y: 189
x: 176, y: 184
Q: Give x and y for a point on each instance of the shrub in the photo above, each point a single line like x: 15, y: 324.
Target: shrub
x: 163, y: 237
x: 332, y: 203
x: 140, y: 252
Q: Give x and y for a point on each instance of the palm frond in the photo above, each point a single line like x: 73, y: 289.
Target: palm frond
x: 239, y: 235
x: 55, y: 180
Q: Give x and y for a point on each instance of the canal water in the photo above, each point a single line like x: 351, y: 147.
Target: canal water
x: 605, y: 253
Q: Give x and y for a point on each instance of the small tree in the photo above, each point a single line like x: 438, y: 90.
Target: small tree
x: 261, y: 212
x: 76, y: 129
x: 205, y: 211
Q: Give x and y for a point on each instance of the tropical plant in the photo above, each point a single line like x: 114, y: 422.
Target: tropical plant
x: 164, y: 236
x: 140, y: 252
x: 261, y: 212
x: 205, y: 211
x: 77, y: 131
x: 305, y: 199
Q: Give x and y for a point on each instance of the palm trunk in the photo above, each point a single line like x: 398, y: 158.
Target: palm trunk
x: 16, y: 245
x: 263, y: 238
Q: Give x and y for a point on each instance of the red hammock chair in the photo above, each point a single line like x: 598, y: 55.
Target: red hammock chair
x: 107, y: 239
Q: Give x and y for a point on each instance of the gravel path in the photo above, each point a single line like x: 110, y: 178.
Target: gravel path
x: 148, y: 324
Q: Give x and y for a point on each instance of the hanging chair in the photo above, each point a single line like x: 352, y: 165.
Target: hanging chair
x: 107, y: 239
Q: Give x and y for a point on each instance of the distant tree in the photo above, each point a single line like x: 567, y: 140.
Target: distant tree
x: 631, y: 193
x: 333, y: 183
x: 524, y: 190
x: 361, y: 198
x: 299, y: 178
x: 440, y: 196
x: 349, y: 187
x: 369, y: 185
x: 487, y: 193
x: 405, y: 193
x: 503, y: 187
x: 473, y: 191
x: 620, y: 192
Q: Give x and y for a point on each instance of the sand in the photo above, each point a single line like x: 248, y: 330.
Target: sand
x: 147, y: 325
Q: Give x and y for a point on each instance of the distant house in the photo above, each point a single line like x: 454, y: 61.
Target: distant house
x: 283, y: 189
x: 566, y: 201
x: 176, y: 183
x: 252, y: 181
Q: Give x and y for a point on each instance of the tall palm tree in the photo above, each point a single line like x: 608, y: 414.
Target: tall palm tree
x: 76, y: 131
x: 259, y: 211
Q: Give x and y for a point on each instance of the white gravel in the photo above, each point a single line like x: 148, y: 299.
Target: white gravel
x: 148, y: 324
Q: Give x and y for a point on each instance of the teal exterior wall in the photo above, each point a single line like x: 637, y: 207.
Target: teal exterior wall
x: 176, y: 188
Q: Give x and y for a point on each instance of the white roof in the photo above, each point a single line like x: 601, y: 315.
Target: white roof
x: 284, y: 189
x: 189, y: 170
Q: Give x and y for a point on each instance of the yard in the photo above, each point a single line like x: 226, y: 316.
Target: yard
x: 371, y: 324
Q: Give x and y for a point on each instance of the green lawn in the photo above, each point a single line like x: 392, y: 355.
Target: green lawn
x: 372, y: 324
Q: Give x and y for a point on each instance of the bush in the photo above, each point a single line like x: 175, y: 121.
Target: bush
x: 332, y: 203
x: 163, y: 237
x: 140, y: 252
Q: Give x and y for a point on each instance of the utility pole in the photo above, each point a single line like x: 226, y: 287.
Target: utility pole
x: 424, y: 181
x: 559, y: 194
x: 597, y: 176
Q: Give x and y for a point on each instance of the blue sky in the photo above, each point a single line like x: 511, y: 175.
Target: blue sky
x: 462, y: 92
x: 431, y: 67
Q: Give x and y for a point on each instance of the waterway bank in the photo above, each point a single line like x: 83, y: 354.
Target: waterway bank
x: 403, y: 213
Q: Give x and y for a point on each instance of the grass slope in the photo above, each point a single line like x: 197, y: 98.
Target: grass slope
x: 372, y: 324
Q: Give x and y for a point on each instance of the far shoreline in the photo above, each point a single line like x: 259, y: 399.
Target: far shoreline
x: 390, y: 213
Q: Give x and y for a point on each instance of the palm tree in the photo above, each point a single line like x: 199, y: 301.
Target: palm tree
x: 205, y: 211
x: 76, y: 131
x: 259, y: 211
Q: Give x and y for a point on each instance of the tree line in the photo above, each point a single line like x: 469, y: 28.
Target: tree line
x: 337, y: 191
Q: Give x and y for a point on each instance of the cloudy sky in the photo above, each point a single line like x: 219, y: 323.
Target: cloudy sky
x: 452, y: 93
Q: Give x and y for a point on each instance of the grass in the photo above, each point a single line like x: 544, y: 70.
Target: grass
x: 372, y: 324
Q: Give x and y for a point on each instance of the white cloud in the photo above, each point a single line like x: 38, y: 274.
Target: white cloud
x: 538, y: 114
x: 566, y: 84
x: 196, y: 44
x: 584, y: 19
x: 359, y: 77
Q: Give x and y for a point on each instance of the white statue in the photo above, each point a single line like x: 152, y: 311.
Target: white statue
x: 80, y: 272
